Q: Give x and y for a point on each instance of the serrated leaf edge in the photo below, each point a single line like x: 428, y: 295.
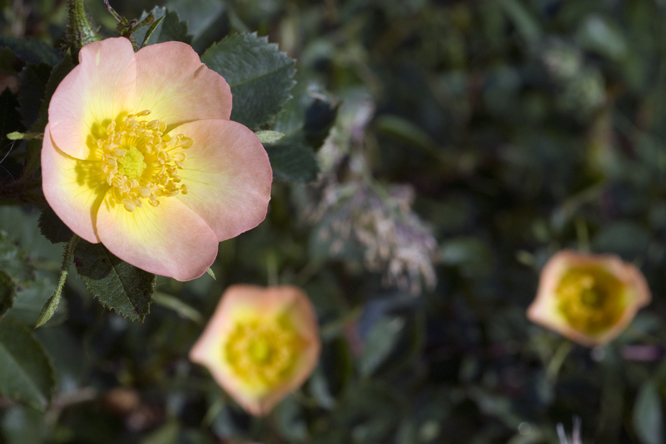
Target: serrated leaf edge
x: 106, y: 306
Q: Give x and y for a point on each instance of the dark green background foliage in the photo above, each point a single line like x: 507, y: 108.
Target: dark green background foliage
x: 467, y: 142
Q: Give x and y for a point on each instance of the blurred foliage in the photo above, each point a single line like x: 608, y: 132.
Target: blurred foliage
x: 472, y: 140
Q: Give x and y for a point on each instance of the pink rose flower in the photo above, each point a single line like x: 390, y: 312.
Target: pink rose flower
x: 588, y: 298
x: 140, y: 155
x: 260, y: 345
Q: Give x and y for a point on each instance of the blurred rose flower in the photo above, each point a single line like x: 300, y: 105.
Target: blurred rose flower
x: 260, y: 345
x: 588, y: 298
x: 139, y: 154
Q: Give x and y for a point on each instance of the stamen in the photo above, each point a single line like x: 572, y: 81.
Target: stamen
x: 129, y: 205
x: 141, y: 162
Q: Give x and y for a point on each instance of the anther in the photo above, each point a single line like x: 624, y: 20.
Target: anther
x: 129, y: 205
x: 186, y: 143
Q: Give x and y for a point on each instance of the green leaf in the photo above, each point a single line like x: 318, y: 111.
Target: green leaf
x: 53, y: 228
x: 379, y: 344
x: 176, y: 304
x: 30, y: 300
x: 14, y: 261
x: 116, y: 284
x: 648, y: 415
x: 27, y: 374
x: 34, y: 151
x: 525, y: 24
x: 260, y: 76
x: 404, y: 130
x: 370, y: 411
x: 601, y: 34
x: 292, y: 161
x: 268, y: 137
x: 199, y: 16
x: 22, y: 227
x: 31, y: 91
x: 8, y: 60
x: 57, y: 75
x: 291, y: 421
x: 30, y: 50
x: 22, y: 425
x: 168, y: 30
x: 308, y: 115
x: 473, y: 256
x: 394, y: 334
x: 7, y: 292
x: 335, y: 370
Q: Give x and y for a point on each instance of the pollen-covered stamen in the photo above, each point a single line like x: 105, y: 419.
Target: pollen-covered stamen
x: 141, y: 162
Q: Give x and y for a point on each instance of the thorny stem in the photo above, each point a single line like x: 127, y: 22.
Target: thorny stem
x: 126, y: 27
x: 51, y: 305
x: 80, y: 31
x: 118, y: 17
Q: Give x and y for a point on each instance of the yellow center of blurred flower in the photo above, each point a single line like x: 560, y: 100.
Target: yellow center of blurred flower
x: 263, y: 353
x: 140, y: 162
x: 591, y: 299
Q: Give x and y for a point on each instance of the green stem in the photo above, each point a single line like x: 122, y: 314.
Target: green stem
x: 79, y: 30
x: 51, y: 305
x: 558, y: 359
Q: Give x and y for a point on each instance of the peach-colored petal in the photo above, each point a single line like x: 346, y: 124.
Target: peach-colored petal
x: 72, y: 187
x: 545, y: 309
x: 228, y: 175
x: 175, y: 86
x: 96, y: 91
x: 169, y: 240
x: 239, y: 302
x: 107, y: 120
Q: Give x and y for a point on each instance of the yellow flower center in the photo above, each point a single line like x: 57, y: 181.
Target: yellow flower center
x: 140, y: 162
x: 591, y: 299
x: 132, y: 164
x: 263, y: 353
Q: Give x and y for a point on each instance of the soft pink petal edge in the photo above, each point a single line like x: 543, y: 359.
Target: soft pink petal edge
x: 100, y: 87
x: 74, y: 202
x: 228, y: 174
x: 176, y: 86
x: 544, y: 311
x: 169, y: 240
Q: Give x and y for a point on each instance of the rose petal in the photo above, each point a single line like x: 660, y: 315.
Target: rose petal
x: 169, y: 240
x: 175, y: 86
x: 228, y: 175
x: 97, y: 90
x: 73, y: 188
